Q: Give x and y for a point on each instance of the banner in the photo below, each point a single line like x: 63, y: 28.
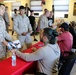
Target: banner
x: 74, y: 9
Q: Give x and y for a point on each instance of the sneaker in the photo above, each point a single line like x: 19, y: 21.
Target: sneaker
x: 35, y: 40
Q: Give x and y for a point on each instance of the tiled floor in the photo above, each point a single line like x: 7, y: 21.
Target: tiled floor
x: 73, y: 72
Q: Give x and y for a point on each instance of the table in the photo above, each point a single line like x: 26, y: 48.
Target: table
x: 6, y: 67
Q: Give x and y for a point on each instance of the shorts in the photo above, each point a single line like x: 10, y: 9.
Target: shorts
x: 28, y: 39
x: 25, y: 39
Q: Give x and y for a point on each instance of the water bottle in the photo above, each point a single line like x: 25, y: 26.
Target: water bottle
x: 13, y: 59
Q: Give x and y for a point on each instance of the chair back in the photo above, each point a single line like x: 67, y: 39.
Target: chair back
x: 67, y: 65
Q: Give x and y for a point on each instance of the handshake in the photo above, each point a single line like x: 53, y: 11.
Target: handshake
x: 14, y: 45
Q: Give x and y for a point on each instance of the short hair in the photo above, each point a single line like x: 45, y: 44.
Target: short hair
x: 2, y: 4
x: 6, y: 6
x: 26, y: 4
x: 50, y: 34
x: 15, y: 9
x: 21, y: 7
x: 65, y: 26
x: 31, y: 11
x: 45, y: 9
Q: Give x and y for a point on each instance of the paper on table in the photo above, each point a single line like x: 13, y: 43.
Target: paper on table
x: 17, y: 43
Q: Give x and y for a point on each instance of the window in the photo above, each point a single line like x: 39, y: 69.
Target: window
x: 61, y: 8
x: 15, y: 5
x: 36, y: 6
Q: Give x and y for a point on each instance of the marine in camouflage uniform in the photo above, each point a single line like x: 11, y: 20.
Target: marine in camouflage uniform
x: 3, y: 35
x: 22, y: 27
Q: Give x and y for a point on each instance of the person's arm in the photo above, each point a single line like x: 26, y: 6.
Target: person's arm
x: 60, y: 37
x: 37, y: 55
x: 28, y: 8
x: 8, y: 37
x: 6, y: 18
x: 41, y: 23
x: 4, y: 42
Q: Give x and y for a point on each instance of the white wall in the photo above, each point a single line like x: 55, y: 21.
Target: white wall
x: 70, y: 13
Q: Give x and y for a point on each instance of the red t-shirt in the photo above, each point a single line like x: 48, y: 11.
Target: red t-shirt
x: 65, y: 41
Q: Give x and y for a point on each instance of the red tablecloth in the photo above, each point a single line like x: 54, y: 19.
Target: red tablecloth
x: 7, y: 69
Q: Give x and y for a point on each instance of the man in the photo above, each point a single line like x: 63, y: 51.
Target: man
x: 13, y: 16
x: 50, y: 19
x: 6, y: 18
x: 38, y: 27
x: 43, y: 21
x: 3, y: 34
x: 72, y: 31
x: 65, y: 39
x: 27, y: 9
x: 23, y: 27
x: 47, y: 56
x: 45, y: 10
x: 33, y: 24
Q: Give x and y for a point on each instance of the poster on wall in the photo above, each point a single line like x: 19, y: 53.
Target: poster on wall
x: 74, y: 9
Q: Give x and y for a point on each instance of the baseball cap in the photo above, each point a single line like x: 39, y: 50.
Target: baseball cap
x: 64, y: 25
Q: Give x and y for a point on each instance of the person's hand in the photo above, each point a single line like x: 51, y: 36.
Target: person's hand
x: 34, y: 49
x: 24, y: 33
x: 13, y: 50
x: 59, y: 31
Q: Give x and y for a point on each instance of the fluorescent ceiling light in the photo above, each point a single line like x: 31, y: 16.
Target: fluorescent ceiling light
x: 9, y: 1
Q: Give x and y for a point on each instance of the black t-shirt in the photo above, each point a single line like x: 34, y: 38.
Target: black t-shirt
x: 32, y: 20
x: 50, y: 21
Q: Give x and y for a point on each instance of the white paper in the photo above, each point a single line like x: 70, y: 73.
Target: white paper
x: 17, y: 43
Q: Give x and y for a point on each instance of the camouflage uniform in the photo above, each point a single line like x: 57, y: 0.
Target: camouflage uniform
x: 22, y: 24
x: 3, y: 35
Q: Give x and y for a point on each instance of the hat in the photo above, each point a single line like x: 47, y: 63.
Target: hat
x: 64, y: 25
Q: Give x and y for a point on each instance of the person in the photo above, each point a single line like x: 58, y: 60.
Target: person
x: 65, y: 39
x: 3, y: 34
x: 6, y: 18
x: 33, y: 24
x: 27, y: 9
x: 45, y: 10
x: 23, y: 27
x: 38, y: 27
x: 14, y: 15
x: 72, y: 31
x: 47, y: 55
x: 43, y: 22
x: 50, y: 19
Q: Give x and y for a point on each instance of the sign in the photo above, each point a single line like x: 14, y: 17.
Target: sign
x: 74, y: 9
